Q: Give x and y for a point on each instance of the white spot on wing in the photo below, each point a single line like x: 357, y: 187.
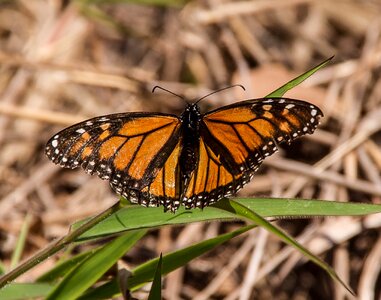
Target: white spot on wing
x: 80, y: 130
x: 289, y: 106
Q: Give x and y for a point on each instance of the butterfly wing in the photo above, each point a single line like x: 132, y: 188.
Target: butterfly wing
x: 211, y: 180
x: 236, y: 138
x: 165, y: 188
x: 136, y: 152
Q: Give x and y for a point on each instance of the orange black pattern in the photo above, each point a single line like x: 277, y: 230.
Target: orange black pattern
x: 193, y: 159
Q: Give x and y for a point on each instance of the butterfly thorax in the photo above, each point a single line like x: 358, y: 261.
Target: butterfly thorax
x: 190, y: 118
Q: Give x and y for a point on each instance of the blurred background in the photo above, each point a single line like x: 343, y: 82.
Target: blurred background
x: 64, y: 61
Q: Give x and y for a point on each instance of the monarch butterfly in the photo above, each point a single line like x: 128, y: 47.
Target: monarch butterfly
x: 193, y: 159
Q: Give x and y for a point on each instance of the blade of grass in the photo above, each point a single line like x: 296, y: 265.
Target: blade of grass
x: 21, y: 241
x: 64, y: 267
x: 298, y: 80
x: 56, y: 246
x: 293, y: 207
x: 2, y: 268
x: 141, y: 217
x: 171, y: 261
x: 246, y: 213
x: 91, y: 269
x: 21, y: 291
x: 108, y: 290
x: 150, y: 217
x: 155, y: 292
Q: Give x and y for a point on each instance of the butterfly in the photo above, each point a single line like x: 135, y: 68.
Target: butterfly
x: 193, y: 159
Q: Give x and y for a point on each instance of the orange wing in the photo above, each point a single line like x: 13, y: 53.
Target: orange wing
x: 211, y: 180
x: 165, y: 188
x: 133, y: 150
x: 236, y: 138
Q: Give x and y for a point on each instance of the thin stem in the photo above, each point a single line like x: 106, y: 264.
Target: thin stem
x: 56, y: 246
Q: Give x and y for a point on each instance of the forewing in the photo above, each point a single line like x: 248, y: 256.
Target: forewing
x: 127, y: 149
x: 246, y: 132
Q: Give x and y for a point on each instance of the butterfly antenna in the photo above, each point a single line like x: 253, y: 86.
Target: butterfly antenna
x: 168, y: 91
x: 220, y: 90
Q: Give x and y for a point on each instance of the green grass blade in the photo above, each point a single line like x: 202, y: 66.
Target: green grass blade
x: 21, y: 291
x: 108, y: 290
x: 90, y: 270
x: 61, y: 269
x: 21, y: 241
x: 298, y: 80
x: 141, y: 217
x: 145, y: 272
x: 2, y: 268
x: 257, y: 219
x: 155, y: 292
